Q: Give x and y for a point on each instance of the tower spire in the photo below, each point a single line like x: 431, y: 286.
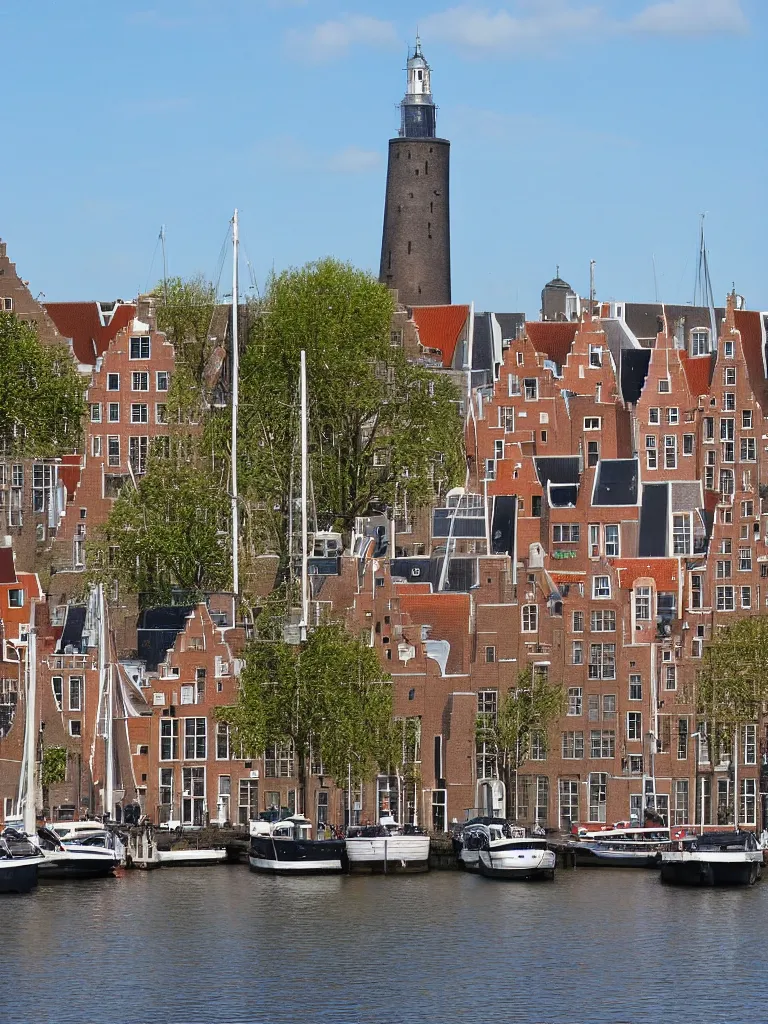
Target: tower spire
x: 417, y: 109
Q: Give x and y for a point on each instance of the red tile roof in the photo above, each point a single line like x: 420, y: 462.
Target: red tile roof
x: 448, y: 615
x: 665, y: 572
x: 747, y: 323
x: 7, y: 570
x: 552, y: 338
x: 439, y: 328
x: 698, y: 372
x: 81, y: 322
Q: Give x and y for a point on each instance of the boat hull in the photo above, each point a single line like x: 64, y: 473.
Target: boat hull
x: 517, y: 864
x: 586, y: 856
x: 72, y: 863
x: 280, y: 856
x: 710, y: 869
x: 18, y: 875
x: 469, y: 859
x: 190, y: 858
x: 390, y: 854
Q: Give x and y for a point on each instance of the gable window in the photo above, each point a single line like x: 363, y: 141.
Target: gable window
x: 595, y: 355
x: 654, y: 416
x: 531, y: 389
x: 682, y: 534
x: 746, y: 419
x: 513, y: 385
x: 729, y: 376
x: 673, y: 416
x: 139, y: 348
x: 664, y: 387
x: 140, y: 380
x: 113, y: 382
x: 643, y: 604
x: 16, y: 600
x: 729, y: 401
x: 530, y: 618
x: 700, y: 342
x: 601, y: 587
x: 592, y: 422
x: 593, y: 453
x: 578, y: 622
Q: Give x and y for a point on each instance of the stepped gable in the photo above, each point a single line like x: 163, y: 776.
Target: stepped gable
x: 552, y: 339
x: 82, y: 323
x: 439, y: 328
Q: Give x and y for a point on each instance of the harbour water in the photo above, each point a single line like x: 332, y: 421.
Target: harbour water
x: 224, y: 946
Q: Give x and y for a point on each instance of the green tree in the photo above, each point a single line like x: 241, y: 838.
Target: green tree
x: 42, y: 400
x: 324, y: 698
x: 381, y: 430
x: 53, y: 770
x: 528, y: 708
x: 170, y: 532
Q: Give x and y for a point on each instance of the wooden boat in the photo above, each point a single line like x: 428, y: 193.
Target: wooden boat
x: 713, y: 858
x: 286, y: 848
x: 387, y: 847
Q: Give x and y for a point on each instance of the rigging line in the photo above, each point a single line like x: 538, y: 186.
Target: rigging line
x: 223, y: 253
x: 251, y: 271
x: 151, y: 265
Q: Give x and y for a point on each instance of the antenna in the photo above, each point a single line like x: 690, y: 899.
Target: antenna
x: 702, y: 290
x: 591, y: 287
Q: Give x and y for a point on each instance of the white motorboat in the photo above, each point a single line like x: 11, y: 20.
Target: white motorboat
x: 474, y: 836
x: 387, y: 847
x: 516, y: 855
x: 92, y: 857
x: 714, y: 858
x: 623, y: 847
x: 287, y: 848
x: 19, y: 862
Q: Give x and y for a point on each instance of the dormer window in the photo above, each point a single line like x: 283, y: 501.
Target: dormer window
x: 700, y: 341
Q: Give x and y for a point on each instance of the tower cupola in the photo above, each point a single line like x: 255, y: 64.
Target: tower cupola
x: 417, y: 110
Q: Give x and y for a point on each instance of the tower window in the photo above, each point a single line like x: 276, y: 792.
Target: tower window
x: 409, y: 248
x: 426, y: 166
x: 431, y: 208
x: 429, y: 229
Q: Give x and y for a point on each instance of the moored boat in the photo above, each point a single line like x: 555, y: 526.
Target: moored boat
x: 623, y: 847
x: 19, y: 860
x: 714, y: 858
x: 387, y: 847
x: 512, y: 854
x: 287, y: 848
x: 94, y: 857
x: 474, y: 835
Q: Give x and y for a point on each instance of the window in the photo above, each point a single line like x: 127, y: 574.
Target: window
x: 595, y: 355
x: 700, y: 342
x: 635, y: 687
x: 748, y: 449
x: 169, y: 739
x: 568, y: 792
x: 16, y: 600
x: 746, y: 597
x: 137, y: 453
x: 673, y: 416
x: 75, y: 727
x: 113, y: 382
x: 139, y: 413
x: 747, y: 509
x: 75, y: 693
x: 728, y: 349
x: 634, y: 725
x: 248, y: 801
x: 96, y: 412
x: 729, y: 376
x: 163, y: 380
x: 682, y: 739
x: 601, y: 587
x: 498, y: 450
x: 603, y: 622
x: 57, y: 682
x: 95, y: 446
x: 165, y: 794
x: 530, y: 389
x: 670, y: 451
x: 490, y: 469
x: 723, y: 569
x: 729, y: 401
x: 670, y: 677
x: 565, y: 533
x: 746, y: 419
x: 724, y: 599
x: 577, y: 653
x: 222, y: 741
x: 513, y: 385
x: 680, y: 809
x: 396, y: 339
x: 635, y: 765
x: 530, y: 618
x: 593, y: 453
x: 745, y: 559
x: 538, y: 745
x: 687, y: 444
x: 490, y: 655
x: 682, y: 534
x: 726, y: 481
x: 602, y: 661
x: 575, y: 706
x: 664, y: 387
x: 727, y: 429
x: 611, y: 537
x: 187, y: 694
x: 749, y: 744
x: 709, y: 428
x: 642, y: 604
x: 161, y: 412
x: 725, y: 546
x: 507, y: 418
x: 651, y: 458
x: 139, y: 348
x: 578, y: 622
x: 193, y: 798
x: 113, y: 412
x: 747, y: 801
x: 609, y: 707
x: 654, y: 417
x: 140, y: 380
x: 278, y: 761
x: 592, y: 422
x: 598, y: 786
x: 113, y: 451
x: 573, y: 745
x: 195, y: 739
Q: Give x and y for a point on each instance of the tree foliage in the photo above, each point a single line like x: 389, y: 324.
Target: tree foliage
x: 53, y: 767
x: 733, y: 682
x: 42, y: 401
x: 325, y: 698
x: 529, y: 707
x: 378, y: 425
x: 170, y: 532
x: 185, y: 312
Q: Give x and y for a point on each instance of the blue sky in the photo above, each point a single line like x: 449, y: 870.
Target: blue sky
x: 580, y: 129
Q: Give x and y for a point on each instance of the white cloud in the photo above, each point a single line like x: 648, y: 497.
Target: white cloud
x: 353, y: 160
x: 691, y: 17
x: 332, y: 39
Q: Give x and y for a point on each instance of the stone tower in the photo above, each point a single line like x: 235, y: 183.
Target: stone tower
x: 416, y: 242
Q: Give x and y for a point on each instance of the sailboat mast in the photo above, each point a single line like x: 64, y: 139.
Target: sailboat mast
x: 304, y: 474
x: 30, y: 735
x: 235, y: 404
